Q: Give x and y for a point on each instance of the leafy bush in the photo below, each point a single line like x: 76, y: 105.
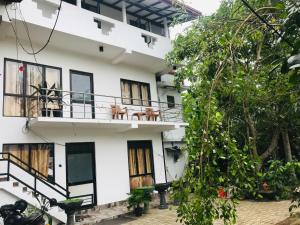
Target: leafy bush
x: 281, y: 177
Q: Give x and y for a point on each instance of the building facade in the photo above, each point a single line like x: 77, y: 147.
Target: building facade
x: 82, y: 115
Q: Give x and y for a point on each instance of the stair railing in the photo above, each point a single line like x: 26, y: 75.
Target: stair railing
x: 11, y: 160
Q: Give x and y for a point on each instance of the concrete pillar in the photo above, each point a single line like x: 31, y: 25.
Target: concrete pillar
x: 124, y: 11
x: 166, y: 28
x: 79, y: 3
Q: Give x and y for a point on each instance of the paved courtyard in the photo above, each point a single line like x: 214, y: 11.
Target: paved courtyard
x: 249, y: 213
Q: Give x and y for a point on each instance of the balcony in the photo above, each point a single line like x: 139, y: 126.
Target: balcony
x: 59, y: 108
x: 130, y: 32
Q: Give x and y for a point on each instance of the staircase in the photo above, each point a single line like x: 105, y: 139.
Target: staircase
x: 29, y: 185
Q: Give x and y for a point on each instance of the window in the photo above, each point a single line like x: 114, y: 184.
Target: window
x: 19, y: 77
x: 73, y: 2
x: 31, y: 157
x: 135, y: 93
x: 140, y: 160
x: 91, y: 5
x: 171, y: 101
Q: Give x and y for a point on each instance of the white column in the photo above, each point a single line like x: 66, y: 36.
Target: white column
x: 79, y: 3
x: 124, y: 11
x: 166, y: 28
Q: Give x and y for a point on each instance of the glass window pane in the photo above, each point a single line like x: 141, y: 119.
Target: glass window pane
x: 13, y: 78
x: 145, y: 95
x: 148, y: 160
x: 20, y: 152
x: 53, y: 78
x: 125, y: 89
x: 13, y: 106
x: 40, y: 158
x: 32, y: 107
x: 132, y: 162
x: 136, y: 94
x: 34, y: 78
x: 82, y: 84
x: 79, y: 168
x: 141, y: 162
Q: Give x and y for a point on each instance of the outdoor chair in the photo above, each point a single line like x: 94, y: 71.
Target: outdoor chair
x: 151, y: 114
x: 116, y: 111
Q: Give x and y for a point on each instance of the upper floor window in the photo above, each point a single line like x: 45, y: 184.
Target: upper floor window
x: 19, y: 77
x: 171, y: 101
x: 73, y: 2
x: 135, y: 93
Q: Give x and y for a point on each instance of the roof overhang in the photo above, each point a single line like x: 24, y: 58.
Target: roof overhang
x: 154, y: 10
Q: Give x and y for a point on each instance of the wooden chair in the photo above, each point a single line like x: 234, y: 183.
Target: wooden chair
x: 116, y: 111
x: 151, y: 114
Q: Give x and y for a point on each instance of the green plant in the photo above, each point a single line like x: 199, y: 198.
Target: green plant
x: 140, y: 195
x: 281, y: 178
x: 135, y: 199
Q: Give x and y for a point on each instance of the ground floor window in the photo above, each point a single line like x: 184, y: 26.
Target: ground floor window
x: 33, y: 157
x: 140, y: 160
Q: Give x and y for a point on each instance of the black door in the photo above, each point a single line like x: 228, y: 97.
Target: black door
x: 81, y: 175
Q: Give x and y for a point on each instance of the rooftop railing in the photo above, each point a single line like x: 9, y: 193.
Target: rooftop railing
x: 79, y: 105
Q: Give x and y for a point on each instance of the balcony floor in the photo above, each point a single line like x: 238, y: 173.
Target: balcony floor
x: 116, y: 125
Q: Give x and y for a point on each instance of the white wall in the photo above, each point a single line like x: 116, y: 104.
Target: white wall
x: 111, y: 148
x: 80, y: 23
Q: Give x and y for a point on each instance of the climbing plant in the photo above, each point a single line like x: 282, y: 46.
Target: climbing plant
x: 240, y: 105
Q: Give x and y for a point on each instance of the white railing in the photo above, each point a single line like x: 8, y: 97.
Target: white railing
x: 68, y: 104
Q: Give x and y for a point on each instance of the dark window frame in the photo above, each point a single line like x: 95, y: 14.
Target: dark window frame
x: 139, y: 83
x: 92, y: 102
x: 52, y: 149
x: 171, y: 104
x: 70, y: 2
x: 24, y: 95
x: 136, y: 145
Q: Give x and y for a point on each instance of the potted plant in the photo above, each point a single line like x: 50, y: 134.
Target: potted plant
x: 136, y: 198
x: 147, y: 190
x: 46, y: 96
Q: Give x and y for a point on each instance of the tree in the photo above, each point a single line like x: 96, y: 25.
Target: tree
x: 240, y: 106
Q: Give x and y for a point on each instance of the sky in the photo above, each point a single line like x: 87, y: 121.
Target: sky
x: 206, y: 7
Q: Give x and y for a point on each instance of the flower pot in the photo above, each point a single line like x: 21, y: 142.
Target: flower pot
x: 57, y: 113
x: 46, y: 112
x: 138, y: 211
x: 146, y: 207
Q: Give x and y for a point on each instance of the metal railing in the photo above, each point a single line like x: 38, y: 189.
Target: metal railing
x: 33, y: 175
x: 69, y: 104
x: 35, y: 181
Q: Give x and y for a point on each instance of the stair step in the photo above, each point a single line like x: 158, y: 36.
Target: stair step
x: 15, y: 184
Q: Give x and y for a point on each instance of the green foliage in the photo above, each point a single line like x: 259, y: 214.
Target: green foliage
x: 279, y: 176
x: 237, y: 105
x: 139, y: 196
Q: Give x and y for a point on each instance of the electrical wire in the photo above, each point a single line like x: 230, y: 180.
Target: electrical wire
x: 266, y: 22
x: 49, y: 38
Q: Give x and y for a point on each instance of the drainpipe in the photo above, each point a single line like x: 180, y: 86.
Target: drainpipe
x: 124, y: 11
x: 163, y: 148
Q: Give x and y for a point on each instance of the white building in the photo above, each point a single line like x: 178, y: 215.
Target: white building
x: 98, y: 132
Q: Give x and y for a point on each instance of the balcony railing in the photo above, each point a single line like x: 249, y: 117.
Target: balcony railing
x: 78, y: 105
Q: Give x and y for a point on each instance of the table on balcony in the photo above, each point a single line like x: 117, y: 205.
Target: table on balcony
x: 139, y: 115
